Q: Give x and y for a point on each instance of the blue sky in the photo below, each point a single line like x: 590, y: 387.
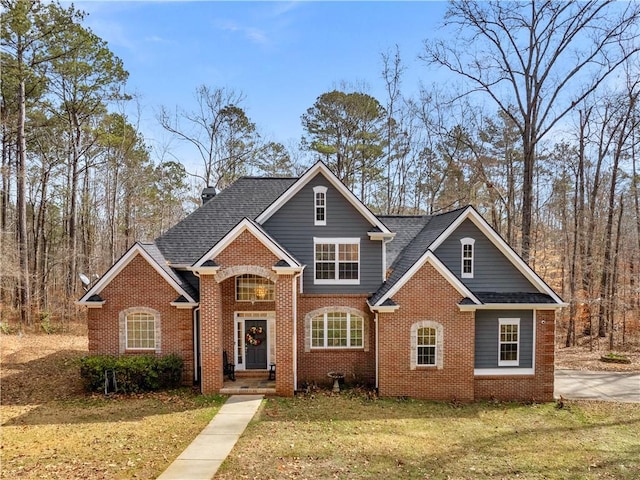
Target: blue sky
x: 281, y: 55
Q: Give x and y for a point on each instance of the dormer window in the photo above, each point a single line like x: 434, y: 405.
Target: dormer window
x: 467, y: 257
x: 320, y: 205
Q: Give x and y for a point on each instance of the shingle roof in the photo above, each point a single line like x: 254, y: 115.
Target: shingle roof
x: 191, y: 238
x: 405, y: 228
x: 415, y: 246
x: 178, y: 276
x: 513, y: 297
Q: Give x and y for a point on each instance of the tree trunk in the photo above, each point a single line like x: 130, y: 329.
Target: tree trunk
x: 21, y: 201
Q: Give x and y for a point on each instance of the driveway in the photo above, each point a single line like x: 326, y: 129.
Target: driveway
x: 608, y: 386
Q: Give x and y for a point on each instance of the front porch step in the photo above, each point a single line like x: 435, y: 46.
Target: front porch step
x: 249, y: 382
x: 247, y: 391
x: 252, y: 374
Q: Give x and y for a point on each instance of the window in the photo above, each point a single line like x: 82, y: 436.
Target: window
x: 337, y: 330
x: 508, y: 342
x: 337, y: 261
x: 140, y: 331
x: 426, y: 346
x: 320, y: 205
x: 467, y: 257
x: 254, y: 288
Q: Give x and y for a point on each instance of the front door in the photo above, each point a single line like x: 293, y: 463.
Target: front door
x: 255, y: 343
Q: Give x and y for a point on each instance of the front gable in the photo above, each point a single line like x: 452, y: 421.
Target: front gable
x: 92, y: 297
x: 491, y: 271
x: 428, y: 260
x: 509, y: 267
x: 294, y: 226
x: 328, y: 179
x: 247, y: 244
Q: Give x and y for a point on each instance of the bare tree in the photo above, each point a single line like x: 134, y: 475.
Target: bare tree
x: 219, y: 130
x: 542, y: 57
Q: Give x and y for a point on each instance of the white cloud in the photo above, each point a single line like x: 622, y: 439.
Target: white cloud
x: 253, y: 34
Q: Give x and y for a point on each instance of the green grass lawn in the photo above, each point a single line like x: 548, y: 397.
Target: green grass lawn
x: 346, y: 436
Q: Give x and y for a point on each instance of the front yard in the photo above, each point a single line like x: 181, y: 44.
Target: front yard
x: 52, y: 429
x: 348, y: 436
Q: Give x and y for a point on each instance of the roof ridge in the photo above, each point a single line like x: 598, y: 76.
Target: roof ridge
x: 452, y: 211
x: 257, y: 177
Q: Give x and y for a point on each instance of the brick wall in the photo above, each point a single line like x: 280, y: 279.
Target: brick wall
x: 218, y: 304
x: 537, y: 387
x: 140, y: 285
x: 358, y: 364
x: 427, y: 296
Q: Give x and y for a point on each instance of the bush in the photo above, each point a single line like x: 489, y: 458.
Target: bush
x: 139, y: 373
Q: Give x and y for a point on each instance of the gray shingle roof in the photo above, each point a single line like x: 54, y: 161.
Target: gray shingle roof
x: 191, y: 238
x: 415, y: 247
x: 513, y: 297
x: 178, y: 276
x: 405, y: 228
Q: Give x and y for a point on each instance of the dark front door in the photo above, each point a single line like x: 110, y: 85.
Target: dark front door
x: 255, y: 342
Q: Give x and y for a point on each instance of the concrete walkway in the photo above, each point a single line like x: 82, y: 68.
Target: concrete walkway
x: 203, y: 457
x: 607, y: 386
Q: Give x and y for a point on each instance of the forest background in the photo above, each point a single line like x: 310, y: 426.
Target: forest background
x: 541, y: 135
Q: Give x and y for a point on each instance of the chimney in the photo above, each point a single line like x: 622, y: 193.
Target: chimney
x: 207, y: 194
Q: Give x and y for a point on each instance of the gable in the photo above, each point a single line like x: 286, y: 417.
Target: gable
x: 386, y: 295
x: 294, y: 228
x: 298, y: 212
x: 144, y: 251
x: 492, y: 270
x: 444, y: 228
x: 330, y: 178
x: 251, y: 237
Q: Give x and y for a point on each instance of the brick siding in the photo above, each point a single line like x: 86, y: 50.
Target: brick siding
x: 358, y: 364
x: 140, y: 285
x: 427, y: 296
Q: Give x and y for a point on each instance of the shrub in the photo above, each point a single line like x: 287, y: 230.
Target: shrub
x: 139, y: 373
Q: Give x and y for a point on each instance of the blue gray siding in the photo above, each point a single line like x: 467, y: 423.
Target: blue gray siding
x: 293, y: 227
x: 493, y: 272
x: 487, y: 337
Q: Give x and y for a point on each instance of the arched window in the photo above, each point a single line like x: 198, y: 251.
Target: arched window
x: 140, y: 331
x: 254, y: 288
x: 468, y: 245
x: 336, y: 327
x: 426, y: 345
x: 320, y: 205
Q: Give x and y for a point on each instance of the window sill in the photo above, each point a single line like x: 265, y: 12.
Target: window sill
x: 333, y: 349
x: 336, y: 282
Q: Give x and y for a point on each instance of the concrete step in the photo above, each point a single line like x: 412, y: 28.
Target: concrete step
x: 252, y: 374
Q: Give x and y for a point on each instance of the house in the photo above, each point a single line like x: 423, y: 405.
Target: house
x: 299, y: 273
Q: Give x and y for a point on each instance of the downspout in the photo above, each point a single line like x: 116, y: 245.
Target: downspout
x: 295, y: 332
x: 197, y: 352
x: 375, y: 320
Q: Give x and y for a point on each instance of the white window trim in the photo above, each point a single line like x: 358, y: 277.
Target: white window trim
x: 439, y: 345
x: 336, y: 242
x: 467, y: 241
x: 123, y: 331
x: 316, y: 190
x: 349, y: 313
x: 509, y: 321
